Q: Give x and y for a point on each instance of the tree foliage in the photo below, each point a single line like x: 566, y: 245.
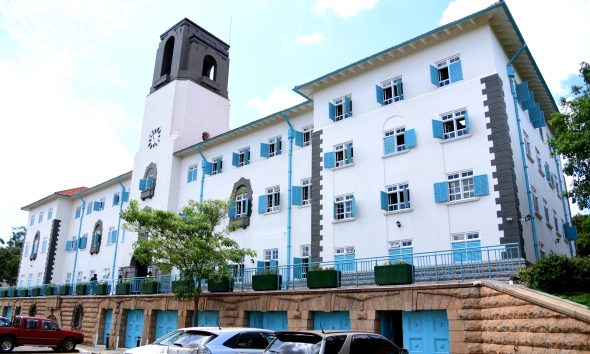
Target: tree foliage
x: 558, y: 274
x: 582, y: 224
x: 193, y: 241
x: 572, y: 137
x: 10, y: 255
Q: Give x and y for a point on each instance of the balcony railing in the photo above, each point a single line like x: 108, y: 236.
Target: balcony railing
x: 470, y: 263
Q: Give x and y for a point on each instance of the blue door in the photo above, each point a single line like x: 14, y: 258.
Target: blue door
x: 426, y: 331
x: 338, y: 320
x: 208, y: 318
x: 134, y: 328
x: 108, y: 319
x: 273, y: 320
x: 166, y: 322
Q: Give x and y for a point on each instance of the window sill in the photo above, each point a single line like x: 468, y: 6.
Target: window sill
x: 405, y: 151
x: 530, y: 158
x: 343, y: 220
x: 465, y: 136
x: 551, y: 186
x: 558, y: 234
x: 549, y: 226
x: 541, y: 173
x: 272, y: 212
x: 401, y: 211
x: 305, y: 205
x: 461, y: 201
x: 341, y: 167
x: 539, y: 216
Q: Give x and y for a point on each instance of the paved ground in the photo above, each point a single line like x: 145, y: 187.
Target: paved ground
x: 82, y: 349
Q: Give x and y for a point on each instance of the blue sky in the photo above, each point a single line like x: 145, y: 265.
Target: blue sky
x: 76, y: 73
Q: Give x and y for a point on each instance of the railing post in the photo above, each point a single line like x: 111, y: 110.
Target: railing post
x: 489, y: 263
x: 436, y: 267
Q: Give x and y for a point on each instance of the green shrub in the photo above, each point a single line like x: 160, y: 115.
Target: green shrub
x: 553, y: 274
x: 582, y: 273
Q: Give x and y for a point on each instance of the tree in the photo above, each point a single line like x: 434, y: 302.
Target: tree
x: 582, y: 224
x: 192, y: 242
x: 572, y: 134
x: 10, y: 255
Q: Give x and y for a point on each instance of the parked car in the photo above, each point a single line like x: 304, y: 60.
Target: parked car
x: 209, y: 340
x: 4, y: 322
x: 38, y: 331
x: 332, y: 343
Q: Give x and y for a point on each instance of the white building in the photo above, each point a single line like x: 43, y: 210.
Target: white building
x: 419, y: 148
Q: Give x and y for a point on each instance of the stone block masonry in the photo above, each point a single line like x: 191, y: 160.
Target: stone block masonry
x: 490, y: 317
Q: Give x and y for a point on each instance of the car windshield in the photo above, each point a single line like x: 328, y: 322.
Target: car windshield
x: 4, y: 322
x: 169, y: 338
x: 278, y: 346
x: 191, y: 339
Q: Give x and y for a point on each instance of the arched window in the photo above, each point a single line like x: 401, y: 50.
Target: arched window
x: 209, y: 66
x: 78, y: 317
x: 167, y: 58
x: 35, y: 246
x: 33, y: 310
x: 151, y: 174
x: 96, y: 238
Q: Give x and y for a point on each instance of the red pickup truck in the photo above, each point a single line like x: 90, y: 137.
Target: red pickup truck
x: 38, y: 331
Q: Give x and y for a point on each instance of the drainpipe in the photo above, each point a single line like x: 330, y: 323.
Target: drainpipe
x: 83, y: 211
x: 203, y: 172
x: 289, y: 197
x: 121, y: 201
x: 565, y: 213
x: 511, y: 75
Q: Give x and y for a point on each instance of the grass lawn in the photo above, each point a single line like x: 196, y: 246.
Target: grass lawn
x: 580, y: 298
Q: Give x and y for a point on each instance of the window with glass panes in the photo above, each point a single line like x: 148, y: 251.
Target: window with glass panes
x: 40, y: 217
x: 527, y: 145
x: 270, y: 255
x: 444, y: 75
x: 398, y: 197
x: 454, y: 124
x: 343, y: 207
x: 241, y: 205
x: 191, y: 174
x: 461, y: 185
x: 242, y: 156
x: 32, y: 220
x: 238, y: 272
x: 340, y: 109
x: 305, y: 191
x: 217, y: 166
x: 398, y: 133
x: 307, y: 135
x: 274, y: 146
x: 344, y: 154
x: 305, y: 260
x: 50, y: 214
x: 273, y: 198
x: 392, y: 90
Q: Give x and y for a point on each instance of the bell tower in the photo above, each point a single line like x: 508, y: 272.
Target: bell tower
x: 188, y: 51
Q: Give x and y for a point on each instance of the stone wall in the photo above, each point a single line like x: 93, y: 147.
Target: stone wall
x: 490, y: 317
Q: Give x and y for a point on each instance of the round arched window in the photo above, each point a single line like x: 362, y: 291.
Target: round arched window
x: 33, y: 310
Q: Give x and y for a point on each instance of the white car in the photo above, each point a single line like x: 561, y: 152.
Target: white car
x: 209, y: 340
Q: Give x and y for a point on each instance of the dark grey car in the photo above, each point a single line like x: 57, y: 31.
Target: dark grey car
x: 332, y: 343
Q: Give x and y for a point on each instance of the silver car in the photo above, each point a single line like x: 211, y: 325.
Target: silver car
x: 209, y: 340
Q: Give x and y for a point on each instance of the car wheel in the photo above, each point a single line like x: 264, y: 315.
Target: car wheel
x: 68, y: 345
x: 6, y: 345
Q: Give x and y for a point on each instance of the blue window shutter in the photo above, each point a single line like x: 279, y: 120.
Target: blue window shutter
x: 125, y: 196
x: 455, y: 71
x: 116, y: 199
x: 406, y: 194
x: 434, y: 76
x: 149, y: 182
x: 384, y: 201
x: 247, y: 156
x: 246, y: 206
x: 278, y: 146
x: 437, y: 129
x: 348, y: 153
x: 467, y: 123
x: 353, y: 202
x: 67, y: 246
x: 297, y: 268
x: 329, y: 159
x: 379, y: 94
x: 410, y: 138
x: 263, y: 150
x: 299, y: 138
x: 96, y: 206
x: 331, y: 111
x: 274, y: 264
x: 530, y: 102
x: 389, y: 145
x: 85, y: 242
x: 347, y: 106
x: 142, y: 185
x: 522, y: 91
x: 232, y: 210
x: 296, y: 195
x: 400, y: 88
x: 480, y: 184
x: 259, y: 266
x: 207, y: 167
x: 441, y: 192
x: 334, y: 210
x: 235, y: 159
x: 262, y: 204
x: 219, y: 164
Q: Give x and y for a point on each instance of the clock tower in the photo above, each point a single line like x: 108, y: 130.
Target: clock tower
x: 187, y: 102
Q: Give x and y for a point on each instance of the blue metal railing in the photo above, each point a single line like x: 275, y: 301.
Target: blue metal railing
x: 470, y: 263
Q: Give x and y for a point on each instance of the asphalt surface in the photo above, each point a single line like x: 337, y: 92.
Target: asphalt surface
x: 81, y: 349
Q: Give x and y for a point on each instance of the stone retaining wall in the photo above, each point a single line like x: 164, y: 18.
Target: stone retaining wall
x: 490, y: 317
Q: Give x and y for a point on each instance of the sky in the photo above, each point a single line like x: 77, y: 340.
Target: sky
x: 75, y: 74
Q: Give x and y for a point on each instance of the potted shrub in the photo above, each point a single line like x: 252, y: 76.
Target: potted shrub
x: 398, y: 273
x: 82, y: 288
x: 64, y: 289
x: 323, y: 278
x: 123, y: 288
x: 11, y: 292
x: 182, y: 283
x: 150, y: 286
x: 267, y: 280
x: 101, y: 288
x: 48, y: 289
x: 223, y: 285
x: 35, y: 291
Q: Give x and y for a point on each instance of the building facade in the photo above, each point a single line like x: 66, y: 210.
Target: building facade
x: 438, y: 143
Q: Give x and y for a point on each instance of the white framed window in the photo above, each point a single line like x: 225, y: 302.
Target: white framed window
x: 400, y: 244
x: 344, y: 154
x: 273, y: 198
x: 44, y: 245
x: 191, y: 174
x: 217, y: 166
x: 111, y: 236
x: 446, y: 71
x: 539, y: 164
x: 307, y: 130
x: 527, y: 146
x: 40, y: 217
x: 78, y: 211
x: 241, y: 205
x: 398, y: 197
x: 392, y: 90
x: 305, y: 251
x: 461, y: 185
x: 547, y: 220
x: 305, y: 260
x: 467, y: 236
x: 274, y: 146
x: 555, y: 222
x: 270, y: 255
x: 238, y: 272
x: 101, y: 204
x: 50, y: 214
x: 305, y: 191
x: 344, y: 207
x: 32, y: 222
x: 536, y: 205
x: 341, y: 108
x: 106, y: 273
x: 39, y: 279
x: 398, y: 138
x: 455, y: 124
x: 344, y: 250
x: 243, y: 156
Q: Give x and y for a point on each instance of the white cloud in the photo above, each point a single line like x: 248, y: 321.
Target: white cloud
x: 315, y: 37
x: 279, y: 98
x: 556, y: 33
x: 343, y: 8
